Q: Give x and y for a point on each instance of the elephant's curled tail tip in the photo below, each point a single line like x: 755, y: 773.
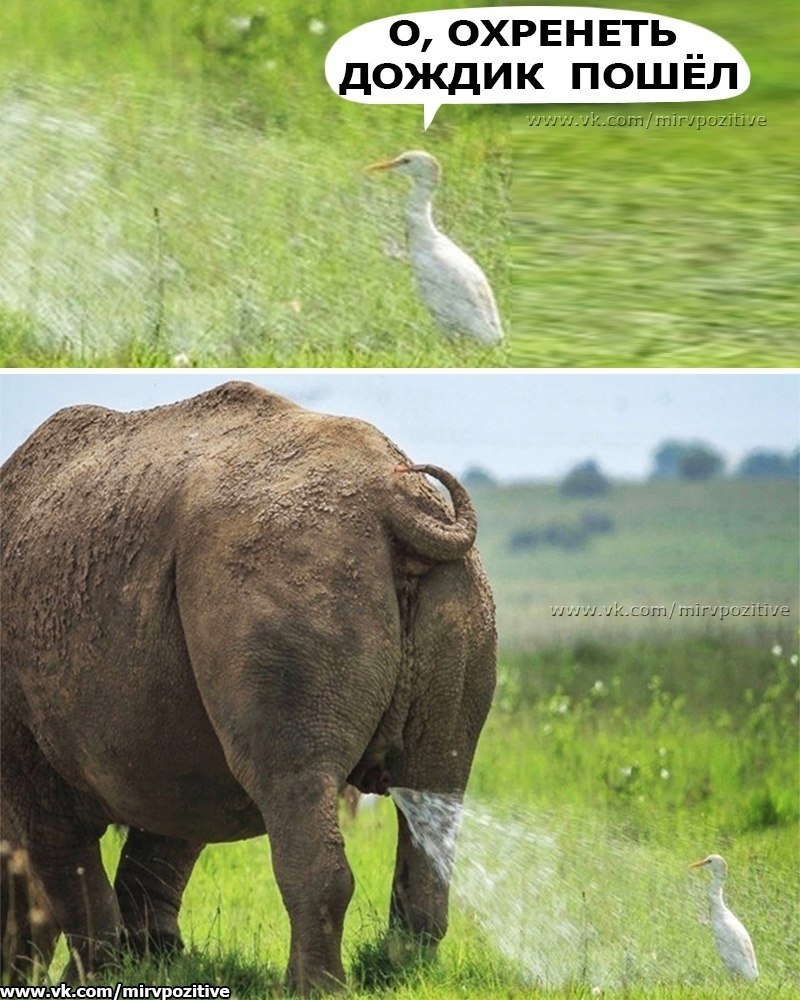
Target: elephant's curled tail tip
x: 439, y: 538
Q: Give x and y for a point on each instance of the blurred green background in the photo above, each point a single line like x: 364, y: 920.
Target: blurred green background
x: 670, y: 245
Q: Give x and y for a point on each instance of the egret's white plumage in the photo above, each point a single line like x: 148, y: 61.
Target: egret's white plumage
x: 450, y: 283
x: 730, y: 936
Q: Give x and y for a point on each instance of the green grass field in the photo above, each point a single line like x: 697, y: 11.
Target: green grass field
x: 664, y: 246
x: 719, y: 542
x: 572, y: 870
x: 612, y: 758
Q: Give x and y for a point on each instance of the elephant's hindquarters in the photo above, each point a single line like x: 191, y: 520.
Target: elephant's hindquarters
x: 120, y: 720
x: 297, y: 670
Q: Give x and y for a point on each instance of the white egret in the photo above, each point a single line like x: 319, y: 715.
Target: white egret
x: 730, y: 936
x: 452, y: 286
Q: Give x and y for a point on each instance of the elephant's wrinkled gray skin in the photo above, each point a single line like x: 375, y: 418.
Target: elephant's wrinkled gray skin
x: 214, y: 614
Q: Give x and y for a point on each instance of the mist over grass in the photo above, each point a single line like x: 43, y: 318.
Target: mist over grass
x: 665, y: 246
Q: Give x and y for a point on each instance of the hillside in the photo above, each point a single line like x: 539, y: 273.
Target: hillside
x: 724, y: 542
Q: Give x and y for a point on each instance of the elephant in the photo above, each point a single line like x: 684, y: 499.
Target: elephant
x: 216, y: 613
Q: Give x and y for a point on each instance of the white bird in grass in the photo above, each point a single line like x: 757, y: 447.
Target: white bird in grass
x: 450, y: 283
x: 730, y: 936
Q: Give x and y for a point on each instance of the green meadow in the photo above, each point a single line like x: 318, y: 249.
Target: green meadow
x: 612, y: 758
x: 642, y: 244
x: 179, y: 186
x: 668, y: 546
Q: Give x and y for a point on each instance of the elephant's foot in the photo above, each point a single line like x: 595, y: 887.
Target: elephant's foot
x: 152, y: 875
x: 316, y: 911
x: 404, y: 949
x: 89, y: 958
x: 153, y: 944
x: 381, y: 964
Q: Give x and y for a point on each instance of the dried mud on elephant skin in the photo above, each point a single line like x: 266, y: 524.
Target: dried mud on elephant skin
x: 316, y: 614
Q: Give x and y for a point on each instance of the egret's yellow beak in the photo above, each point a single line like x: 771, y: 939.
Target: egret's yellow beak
x: 697, y: 864
x: 381, y: 165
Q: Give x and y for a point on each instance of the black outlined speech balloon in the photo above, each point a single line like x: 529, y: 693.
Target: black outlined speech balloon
x: 533, y: 55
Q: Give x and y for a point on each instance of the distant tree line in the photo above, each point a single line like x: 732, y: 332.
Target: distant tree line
x: 695, y: 460
x: 690, y: 461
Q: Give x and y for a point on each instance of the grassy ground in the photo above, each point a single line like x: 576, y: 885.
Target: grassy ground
x: 572, y: 875
x: 175, y: 191
x: 664, y: 246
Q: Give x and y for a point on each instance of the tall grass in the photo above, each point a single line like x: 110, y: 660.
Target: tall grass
x: 645, y: 729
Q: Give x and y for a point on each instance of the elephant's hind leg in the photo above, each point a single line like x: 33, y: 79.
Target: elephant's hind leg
x: 314, y: 877
x: 419, y: 892
x: 77, y: 897
x: 61, y: 830
x: 83, y: 901
x: 279, y: 691
x: 152, y: 875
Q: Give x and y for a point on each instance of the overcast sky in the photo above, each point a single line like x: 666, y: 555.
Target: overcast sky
x: 515, y: 425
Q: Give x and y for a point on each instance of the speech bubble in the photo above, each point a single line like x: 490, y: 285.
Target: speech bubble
x: 532, y: 55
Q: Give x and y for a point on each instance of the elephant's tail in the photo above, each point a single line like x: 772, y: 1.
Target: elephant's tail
x: 429, y: 537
